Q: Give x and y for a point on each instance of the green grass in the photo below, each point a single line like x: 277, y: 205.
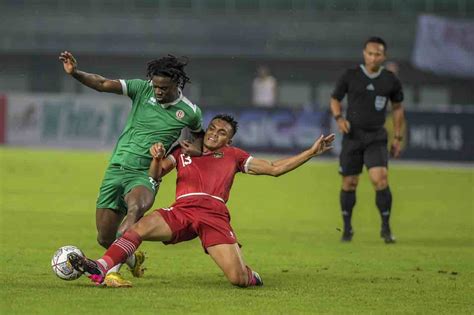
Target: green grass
x: 288, y: 227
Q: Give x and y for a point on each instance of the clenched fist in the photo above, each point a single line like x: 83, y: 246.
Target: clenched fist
x: 157, y: 150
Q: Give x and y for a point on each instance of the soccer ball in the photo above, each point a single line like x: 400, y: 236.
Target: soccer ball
x: 61, y: 267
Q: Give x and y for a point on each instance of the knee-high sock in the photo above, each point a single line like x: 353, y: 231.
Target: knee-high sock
x: 383, y: 200
x: 347, y: 200
x: 120, y: 250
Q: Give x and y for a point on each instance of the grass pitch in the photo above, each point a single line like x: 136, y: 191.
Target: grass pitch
x: 289, y: 229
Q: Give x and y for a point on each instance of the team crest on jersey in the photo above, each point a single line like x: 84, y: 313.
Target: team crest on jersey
x: 380, y: 102
x: 218, y: 155
x: 152, y: 100
x: 179, y: 114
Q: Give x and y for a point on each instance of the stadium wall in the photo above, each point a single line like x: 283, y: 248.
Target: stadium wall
x: 95, y: 122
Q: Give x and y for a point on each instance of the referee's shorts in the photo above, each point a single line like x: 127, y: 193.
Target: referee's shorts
x: 361, y: 147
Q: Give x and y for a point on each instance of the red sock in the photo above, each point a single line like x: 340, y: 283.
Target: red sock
x: 121, y: 249
x: 251, y: 279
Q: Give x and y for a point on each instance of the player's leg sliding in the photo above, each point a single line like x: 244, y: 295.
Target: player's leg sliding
x: 89, y: 267
x: 383, y: 200
x: 117, y: 253
x: 246, y: 278
x: 114, y: 278
x: 229, y: 259
x: 134, y: 262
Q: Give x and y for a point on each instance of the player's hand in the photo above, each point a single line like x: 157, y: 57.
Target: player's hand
x: 69, y: 62
x: 343, y: 125
x: 190, y: 148
x: 396, y: 148
x: 157, y: 150
x: 323, y: 144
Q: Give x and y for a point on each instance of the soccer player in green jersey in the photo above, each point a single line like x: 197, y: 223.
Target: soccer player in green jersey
x: 159, y: 112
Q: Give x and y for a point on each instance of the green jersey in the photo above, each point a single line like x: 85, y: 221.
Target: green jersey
x: 150, y: 122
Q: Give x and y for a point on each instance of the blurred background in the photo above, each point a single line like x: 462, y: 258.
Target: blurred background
x: 271, y: 63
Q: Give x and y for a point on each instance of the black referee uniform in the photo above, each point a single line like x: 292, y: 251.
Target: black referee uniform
x: 368, y: 96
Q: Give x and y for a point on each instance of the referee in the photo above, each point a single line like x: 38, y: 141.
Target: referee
x: 369, y: 88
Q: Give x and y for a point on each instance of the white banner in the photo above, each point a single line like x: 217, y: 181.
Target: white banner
x: 445, y: 46
x: 62, y: 120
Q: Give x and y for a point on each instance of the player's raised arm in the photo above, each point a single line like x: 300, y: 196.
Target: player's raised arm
x: 280, y: 167
x: 159, y: 166
x: 94, y: 81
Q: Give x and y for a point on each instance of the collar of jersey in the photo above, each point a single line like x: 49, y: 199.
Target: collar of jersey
x: 373, y: 75
x: 212, y: 152
x: 176, y: 101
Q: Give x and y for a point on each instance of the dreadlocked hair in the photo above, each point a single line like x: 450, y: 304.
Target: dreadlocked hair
x: 169, y: 66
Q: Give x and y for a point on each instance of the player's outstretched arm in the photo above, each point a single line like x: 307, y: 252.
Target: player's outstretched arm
x: 94, y: 81
x: 159, y: 166
x: 280, y: 167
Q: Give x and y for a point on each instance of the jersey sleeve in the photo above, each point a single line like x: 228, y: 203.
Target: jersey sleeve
x: 397, y: 93
x: 342, y: 87
x: 132, y: 88
x: 196, y: 122
x: 243, y: 159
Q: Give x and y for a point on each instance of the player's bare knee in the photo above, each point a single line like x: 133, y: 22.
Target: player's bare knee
x: 238, y: 278
x: 139, y: 206
x: 381, y: 184
x: 350, y: 183
x: 147, y: 205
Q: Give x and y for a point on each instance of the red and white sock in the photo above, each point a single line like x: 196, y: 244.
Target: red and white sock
x: 120, y: 250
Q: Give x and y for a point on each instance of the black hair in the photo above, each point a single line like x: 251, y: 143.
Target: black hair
x: 378, y: 40
x: 230, y: 120
x: 169, y: 66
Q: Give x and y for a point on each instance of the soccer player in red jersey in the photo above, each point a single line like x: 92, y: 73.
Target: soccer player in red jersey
x: 202, y: 190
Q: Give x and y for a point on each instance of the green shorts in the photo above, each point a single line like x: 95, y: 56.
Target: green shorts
x: 118, y: 182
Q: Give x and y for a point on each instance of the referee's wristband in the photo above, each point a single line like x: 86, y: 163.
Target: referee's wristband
x: 337, y: 117
x: 399, y: 138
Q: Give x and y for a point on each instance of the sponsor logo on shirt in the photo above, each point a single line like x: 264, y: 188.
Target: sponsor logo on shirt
x: 179, y: 114
x: 370, y: 87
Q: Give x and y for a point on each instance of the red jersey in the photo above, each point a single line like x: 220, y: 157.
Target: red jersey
x: 211, y: 174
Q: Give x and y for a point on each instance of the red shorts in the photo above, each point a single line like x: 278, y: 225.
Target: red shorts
x: 201, y: 216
